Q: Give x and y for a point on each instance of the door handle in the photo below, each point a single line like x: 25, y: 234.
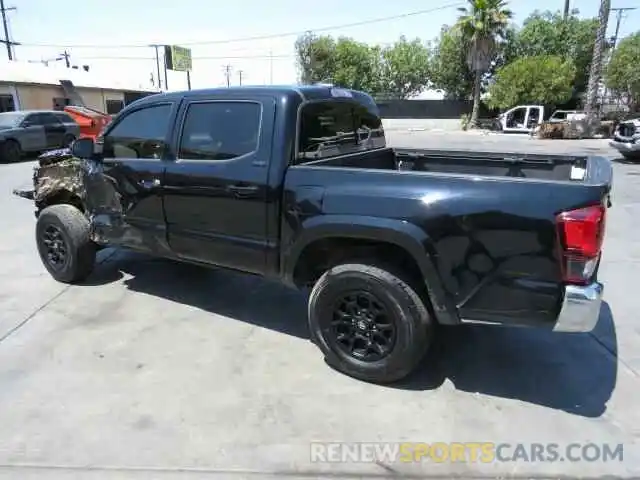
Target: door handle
x: 149, y: 184
x: 241, y: 190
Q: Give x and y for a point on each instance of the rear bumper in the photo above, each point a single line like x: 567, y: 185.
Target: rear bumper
x: 580, y: 308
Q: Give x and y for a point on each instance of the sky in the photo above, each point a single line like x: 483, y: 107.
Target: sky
x: 113, y: 36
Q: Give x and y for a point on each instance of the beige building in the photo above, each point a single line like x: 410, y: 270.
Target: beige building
x: 32, y: 86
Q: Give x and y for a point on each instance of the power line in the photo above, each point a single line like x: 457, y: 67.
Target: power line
x: 224, y: 57
x: 265, y: 37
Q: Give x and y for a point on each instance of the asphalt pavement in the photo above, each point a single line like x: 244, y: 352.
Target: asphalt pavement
x: 154, y: 369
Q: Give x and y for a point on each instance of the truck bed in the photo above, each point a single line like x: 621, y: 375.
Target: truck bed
x: 564, y: 168
x: 490, y: 220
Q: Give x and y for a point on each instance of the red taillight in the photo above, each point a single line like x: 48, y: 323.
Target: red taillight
x: 580, y: 234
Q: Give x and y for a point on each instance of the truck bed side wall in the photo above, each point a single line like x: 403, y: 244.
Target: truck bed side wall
x: 489, y: 246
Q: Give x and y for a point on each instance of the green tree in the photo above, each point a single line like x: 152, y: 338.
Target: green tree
x: 405, y: 68
x: 357, y: 66
x: 622, y: 75
x: 315, y: 57
x: 483, y: 24
x: 548, y: 33
x: 532, y: 80
x: 448, y: 70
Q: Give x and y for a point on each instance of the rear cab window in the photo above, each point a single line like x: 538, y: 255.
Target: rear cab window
x: 331, y: 128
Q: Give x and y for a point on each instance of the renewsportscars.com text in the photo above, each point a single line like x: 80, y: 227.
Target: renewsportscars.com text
x: 470, y: 452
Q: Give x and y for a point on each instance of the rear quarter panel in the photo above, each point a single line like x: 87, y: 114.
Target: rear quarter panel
x: 491, y: 242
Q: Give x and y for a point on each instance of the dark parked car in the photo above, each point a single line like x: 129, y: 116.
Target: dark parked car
x: 32, y: 131
x: 298, y: 184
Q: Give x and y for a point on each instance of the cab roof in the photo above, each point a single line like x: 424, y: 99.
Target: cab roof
x: 301, y: 93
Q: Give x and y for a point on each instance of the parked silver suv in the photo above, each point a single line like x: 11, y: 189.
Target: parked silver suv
x: 33, y: 131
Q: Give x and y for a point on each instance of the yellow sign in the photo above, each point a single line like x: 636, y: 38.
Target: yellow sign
x: 178, y: 58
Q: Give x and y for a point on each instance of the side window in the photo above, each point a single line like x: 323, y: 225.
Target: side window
x: 35, y: 119
x: 7, y: 104
x: 114, y: 106
x: 60, y: 102
x: 64, y: 118
x: 140, y: 134
x: 220, y: 130
x: 335, y: 128
x: 49, y: 119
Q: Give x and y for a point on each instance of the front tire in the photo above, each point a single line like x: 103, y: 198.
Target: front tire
x: 68, y: 140
x: 369, y: 323
x: 11, y: 151
x: 64, y: 245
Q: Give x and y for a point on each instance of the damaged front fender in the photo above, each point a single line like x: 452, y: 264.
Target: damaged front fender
x: 60, y: 177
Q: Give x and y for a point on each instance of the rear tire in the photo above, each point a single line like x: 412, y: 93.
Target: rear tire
x: 383, y: 350
x: 11, y: 151
x: 64, y: 245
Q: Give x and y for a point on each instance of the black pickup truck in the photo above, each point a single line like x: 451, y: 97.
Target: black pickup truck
x: 298, y: 184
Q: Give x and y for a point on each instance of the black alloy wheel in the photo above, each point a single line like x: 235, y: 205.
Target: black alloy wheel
x: 362, y: 326
x: 56, y: 247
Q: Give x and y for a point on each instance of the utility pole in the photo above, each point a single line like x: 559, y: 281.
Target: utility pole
x: 566, y: 9
x: 66, y: 55
x: 5, y: 23
x: 166, y: 70
x: 227, y: 74
x: 240, y: 77
x: 156, y: 47
x: 596, y: 63
x: 271, y: 67
x: 619, y: 13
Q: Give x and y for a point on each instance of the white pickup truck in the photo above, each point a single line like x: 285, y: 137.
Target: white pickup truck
x: 526, y: 118
x: 626, y: 139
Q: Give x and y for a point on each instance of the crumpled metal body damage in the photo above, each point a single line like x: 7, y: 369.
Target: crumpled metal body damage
x: 63, y: 178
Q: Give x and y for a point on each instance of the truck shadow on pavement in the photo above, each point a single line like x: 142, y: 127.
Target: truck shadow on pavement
x: 575, y: 373
x: 626, y: 161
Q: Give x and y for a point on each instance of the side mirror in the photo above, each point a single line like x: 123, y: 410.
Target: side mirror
x: 83, y: 148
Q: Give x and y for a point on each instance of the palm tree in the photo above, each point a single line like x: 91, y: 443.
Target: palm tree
x: 482, y: 23
x: 596, y: 62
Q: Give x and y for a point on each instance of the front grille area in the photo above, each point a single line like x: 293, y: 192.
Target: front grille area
x: 626, y: 130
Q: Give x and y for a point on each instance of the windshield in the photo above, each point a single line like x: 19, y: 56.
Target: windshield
x: 10, y: 119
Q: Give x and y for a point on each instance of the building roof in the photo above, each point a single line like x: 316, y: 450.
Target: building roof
x: 38, y: 73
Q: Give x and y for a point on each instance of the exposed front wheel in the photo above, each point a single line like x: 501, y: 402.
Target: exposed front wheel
x: 10, y: 151
x: 64, y: 245
x: 68, y: 140
x: 369, y: 323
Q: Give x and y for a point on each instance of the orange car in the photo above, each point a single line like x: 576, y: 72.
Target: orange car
x: 91, y: 121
